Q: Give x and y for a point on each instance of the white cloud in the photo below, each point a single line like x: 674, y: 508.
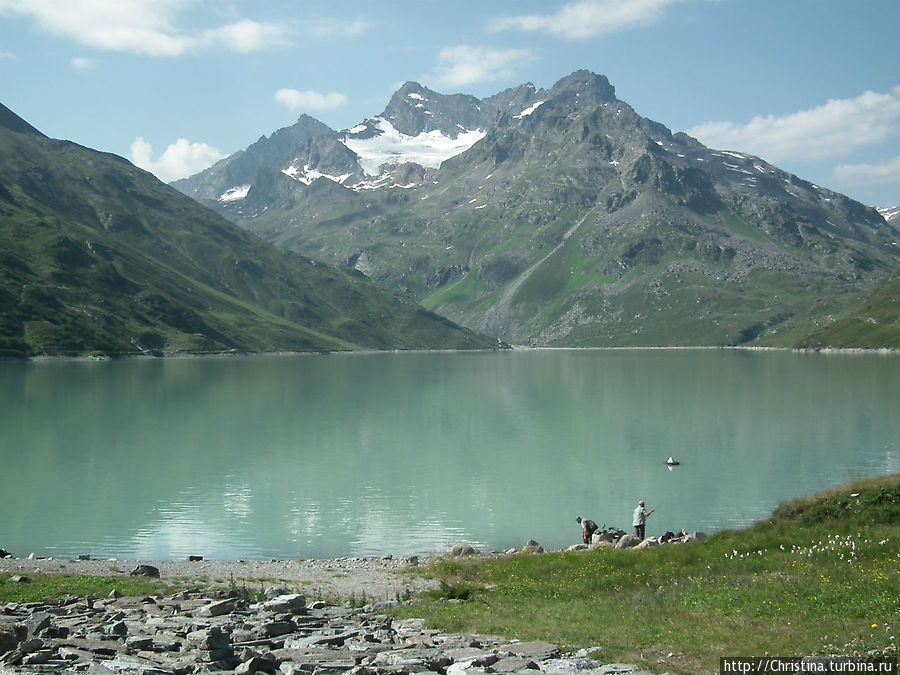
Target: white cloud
x: 9, y: 55
x: 466, y: 64
x: 244, y: 36
x: 137, y: 26
x: 587, y: 19
x: 309, y: 100
x: 180, y: 160
x: 326, y: 29
x: 81, y: 63
x: 834, y: 129
x: 869, y: 174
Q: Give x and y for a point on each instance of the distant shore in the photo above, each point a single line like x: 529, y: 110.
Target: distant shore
x: 52, y: 358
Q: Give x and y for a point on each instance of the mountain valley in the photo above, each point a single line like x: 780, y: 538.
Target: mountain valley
x: 99, y: 257
x: 561, y: 217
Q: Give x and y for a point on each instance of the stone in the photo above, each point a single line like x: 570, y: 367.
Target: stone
x: 628, y: 541
x: 174, y: 636
x: 37, y: 622
x: 257, y: 664
x: 11, y: 634
x: 277, y: 628
x: 219, y: 607
x: 293, y: 602
x: 145, y: 571
x: 532, y: 547
x: 38, y: 658
x: 209, y: 639
x: 535, y: 650
x: 615, y: 668
x: 462, y: 549
x: 513, y: 664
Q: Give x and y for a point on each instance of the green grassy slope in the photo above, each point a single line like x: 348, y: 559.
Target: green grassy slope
x: 97, y: 256
x: 873, y: 323
x: 820, y: 577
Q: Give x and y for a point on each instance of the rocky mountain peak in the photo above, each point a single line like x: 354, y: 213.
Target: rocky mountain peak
x: 588, y: 87
x: 416, y: 109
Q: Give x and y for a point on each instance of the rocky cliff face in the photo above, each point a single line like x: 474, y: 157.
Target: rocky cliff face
x: 562, y: 217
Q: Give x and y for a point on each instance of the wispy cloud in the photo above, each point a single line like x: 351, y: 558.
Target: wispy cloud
x: 81, y: 63
x: 9, y: 55
x: 179, y: 160
x: 243, y: 36
x: 327, y: 29
x: 883, y: 173
x: 140, y: 27
x: 309, y: 100
x: 587, y: 19
x: 832, y: 130
x: 467, y: 64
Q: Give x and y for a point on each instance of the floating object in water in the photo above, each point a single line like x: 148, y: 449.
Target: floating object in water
x: 672, y: 462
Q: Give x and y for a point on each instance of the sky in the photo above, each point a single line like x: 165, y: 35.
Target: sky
x: 812, y: 86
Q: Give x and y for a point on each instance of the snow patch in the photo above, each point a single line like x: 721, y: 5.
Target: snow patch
x: 234, y: 194
x: 391, y: 147
x: 308, y: 175
x: 529, y: 110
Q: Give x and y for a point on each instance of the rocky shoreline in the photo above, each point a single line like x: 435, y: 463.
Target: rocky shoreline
x: 223, y: 631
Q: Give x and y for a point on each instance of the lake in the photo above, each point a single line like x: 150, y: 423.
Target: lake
x: 410, y: 453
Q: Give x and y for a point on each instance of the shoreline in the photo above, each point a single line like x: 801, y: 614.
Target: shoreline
x: 374, y: 579
x: 62, y: 358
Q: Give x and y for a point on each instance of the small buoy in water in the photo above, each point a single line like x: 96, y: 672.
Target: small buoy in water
x: 672, y: 462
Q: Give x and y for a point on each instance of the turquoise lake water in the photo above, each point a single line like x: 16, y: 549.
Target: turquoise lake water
x: 403, y: 453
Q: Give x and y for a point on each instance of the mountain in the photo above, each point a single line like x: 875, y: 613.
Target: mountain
x: 99, y: 257
x: 891, y: 214
x: 561, y: 217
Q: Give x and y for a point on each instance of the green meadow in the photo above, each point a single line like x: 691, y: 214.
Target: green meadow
x: 820, y: 577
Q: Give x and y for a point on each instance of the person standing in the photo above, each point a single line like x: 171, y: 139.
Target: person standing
x: 640, y: 519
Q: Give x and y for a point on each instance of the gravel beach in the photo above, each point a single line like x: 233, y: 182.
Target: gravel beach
x: 366, y: 579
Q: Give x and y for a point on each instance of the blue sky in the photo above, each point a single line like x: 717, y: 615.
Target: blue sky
x: 812, y: 86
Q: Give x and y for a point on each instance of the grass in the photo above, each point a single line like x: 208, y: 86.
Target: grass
x: 53, y: 587
x: 821, y: 576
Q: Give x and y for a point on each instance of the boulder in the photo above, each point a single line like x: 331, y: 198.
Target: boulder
x: 11, y: 634
x: 611, y: 536
x: 628, y: 541
x: 219, y: 607
x: 145, y: 571
x: 291, y: 602
x: 462, y: 549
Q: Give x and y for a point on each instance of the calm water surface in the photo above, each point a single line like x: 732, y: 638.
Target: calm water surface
x: 366, y: 454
